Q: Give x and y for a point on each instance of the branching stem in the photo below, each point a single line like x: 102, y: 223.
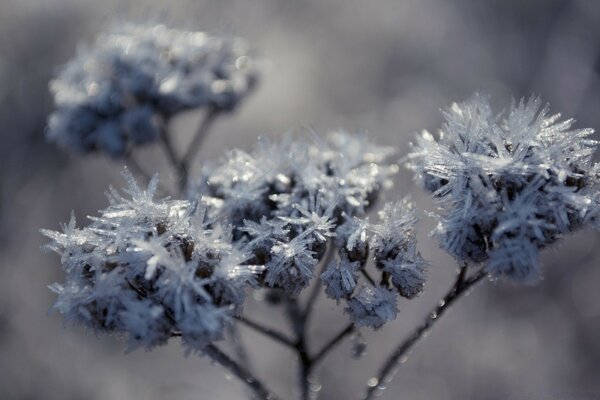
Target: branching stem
x: 332, y: 343
x: 201, y: 134
x: 268, y: 332
x: 460, y: 287
x: 314, y: 294
x: 257, y: 387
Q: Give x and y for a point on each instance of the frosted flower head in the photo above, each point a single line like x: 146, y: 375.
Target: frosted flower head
x: 373, y: 306
x: 152, y: 269
x: 120, y: 91
x: 290, y: 198
x: 507, y: 185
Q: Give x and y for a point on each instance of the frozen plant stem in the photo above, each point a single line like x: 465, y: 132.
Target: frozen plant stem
x: 178, y: 166
x: 268, y: 332
x: 314, y: 294
x: 182, y: 166
x: 201, y: 133
x: 332, y: 343
x: 460, y: 287
x: 257, y: 387
x: 298, y: 322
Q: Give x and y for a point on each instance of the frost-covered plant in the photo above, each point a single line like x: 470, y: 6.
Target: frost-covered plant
x: 291, y: 215
x: 121, y: 91
x: 153, y: 269
x: 507, y: 185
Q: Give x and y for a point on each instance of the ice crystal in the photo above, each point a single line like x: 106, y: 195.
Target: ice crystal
x: 123, y: 89
x: 152, y: 269
x: 372, y: 306
x: 507, y: 186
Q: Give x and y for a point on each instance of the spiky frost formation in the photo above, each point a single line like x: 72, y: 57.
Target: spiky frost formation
x: 340, y: 277
x: 507, y: 186
x: 120, y: 91
x: 394, y: 246
x: 373, y: 306
x: 152, y: 269
x: 288, y: 198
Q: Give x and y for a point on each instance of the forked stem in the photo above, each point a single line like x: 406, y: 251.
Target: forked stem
x: 385, y: 373
x: 257, y: 387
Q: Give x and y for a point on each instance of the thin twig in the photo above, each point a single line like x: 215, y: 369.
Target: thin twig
x: 368, y: 276
x: 314, y: 294
x: 201, y: 133
x: 241, y: 351
x: 460, y: 287
x: 257, y: 387
x: 332, y: 343
x: 178, y: 167
x: 298, y: 323
x: 271, y: 333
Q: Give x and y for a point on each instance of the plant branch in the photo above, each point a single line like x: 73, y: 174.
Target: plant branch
x: 179, y: 168
x: 201, y: 133
x: 240, y: 351
x: 257, y: 387
x: 271, y: 333
x: 460, y: 287
x: 368, y: 276
x: 332, y: 343
x: 314, y: 294
x: 298, y: 322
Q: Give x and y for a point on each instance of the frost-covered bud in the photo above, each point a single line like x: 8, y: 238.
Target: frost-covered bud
x: 407, y: 275
x: 292, y: 265
x: 152, y: 269
x: 120, y: 91
x: 373, y: 306
x: 340, y: 277
x: 353, y: 237
x: 394, y: 236
x: 507, y: 187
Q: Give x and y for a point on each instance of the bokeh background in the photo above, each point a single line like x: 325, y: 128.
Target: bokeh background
x: 386, y: 66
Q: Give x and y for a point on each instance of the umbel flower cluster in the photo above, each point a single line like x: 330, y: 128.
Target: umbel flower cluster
x: 162, y: 268
x: 122, y: 90
x: 507, y: 185
x: 154, y: 269
x: 292, y: 214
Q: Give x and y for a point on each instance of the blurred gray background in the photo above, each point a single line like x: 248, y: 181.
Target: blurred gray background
x: 385, y: 66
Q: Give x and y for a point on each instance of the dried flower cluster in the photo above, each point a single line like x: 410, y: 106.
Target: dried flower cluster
x: 153, y: 269
x: 509, y: 186
x: 122, y: 91
x: 160, y: 268
x: 293, y: 212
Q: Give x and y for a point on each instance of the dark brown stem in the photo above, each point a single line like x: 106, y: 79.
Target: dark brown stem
x: 460, y: 287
